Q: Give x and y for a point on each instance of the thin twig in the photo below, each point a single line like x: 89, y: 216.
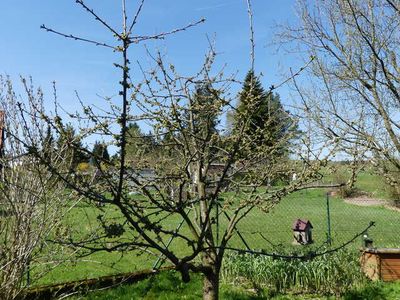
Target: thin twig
x: 96, y: 16
x: 136, y: 17
x: 73, y: 37
x: 293, y: 75
x: 124, y: 18
x: 140, y: 38
x: 251, y: 27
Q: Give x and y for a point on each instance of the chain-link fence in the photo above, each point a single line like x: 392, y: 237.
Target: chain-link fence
x: 334, y: 221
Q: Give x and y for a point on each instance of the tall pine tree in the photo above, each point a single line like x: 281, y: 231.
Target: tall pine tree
x: 139, y: 145
x: 262, y: 119
x: 71, y: 146
x: 48, y: 144
x: 203, y: 111
x: 99, y: 154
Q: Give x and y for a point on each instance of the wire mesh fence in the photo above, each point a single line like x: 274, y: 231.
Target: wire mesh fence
x: 334, y: 221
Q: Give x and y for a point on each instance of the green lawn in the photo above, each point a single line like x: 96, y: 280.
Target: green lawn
x: 270, y: 231
x: 346, y: 221
x: 168, y: 286
x: 373, y: 184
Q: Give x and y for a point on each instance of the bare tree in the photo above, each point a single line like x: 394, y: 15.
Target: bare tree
x: 193, y: 163
x: 353, y: 94
x: 32, y: 201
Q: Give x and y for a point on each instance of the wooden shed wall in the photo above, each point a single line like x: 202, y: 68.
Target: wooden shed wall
x: 381, y: 266
x: 390, y: 267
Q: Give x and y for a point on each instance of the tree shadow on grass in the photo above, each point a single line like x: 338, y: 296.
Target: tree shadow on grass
x: 371, y: 291
x: 239, y: 296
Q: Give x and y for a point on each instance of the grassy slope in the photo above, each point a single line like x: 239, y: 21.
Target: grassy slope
x: 373, y: 184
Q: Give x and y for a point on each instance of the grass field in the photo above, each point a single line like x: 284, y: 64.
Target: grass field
x: 275, y: 228
x: 346, y: 221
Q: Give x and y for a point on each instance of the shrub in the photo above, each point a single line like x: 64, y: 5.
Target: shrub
x: 346, y: 190
x: 394, y: 195
x: 83, y: 167
x: 392, y: 184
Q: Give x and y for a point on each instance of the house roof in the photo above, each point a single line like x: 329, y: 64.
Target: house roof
x: 301, y: 225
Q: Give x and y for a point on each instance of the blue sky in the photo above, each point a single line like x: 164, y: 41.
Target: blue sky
x: 27, y: 50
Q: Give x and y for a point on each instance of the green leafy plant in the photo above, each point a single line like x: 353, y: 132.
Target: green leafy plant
x: 333, y: 274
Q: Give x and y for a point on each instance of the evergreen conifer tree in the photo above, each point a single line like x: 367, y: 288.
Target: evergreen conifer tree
x: 99, y: 154
x: 203, y: 111
x: 71, y: 146
x: 267, y: 123
x: 138, y: 144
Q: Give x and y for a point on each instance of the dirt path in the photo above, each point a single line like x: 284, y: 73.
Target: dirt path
x: 367, y: 201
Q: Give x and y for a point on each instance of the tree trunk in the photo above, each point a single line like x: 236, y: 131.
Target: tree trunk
x: 211, y: 275
x: 210, y: 259
x: 211, y: 284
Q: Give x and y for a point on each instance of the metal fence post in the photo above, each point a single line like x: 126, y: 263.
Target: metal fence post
x: 217, y: 220
x: 328, y: 213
